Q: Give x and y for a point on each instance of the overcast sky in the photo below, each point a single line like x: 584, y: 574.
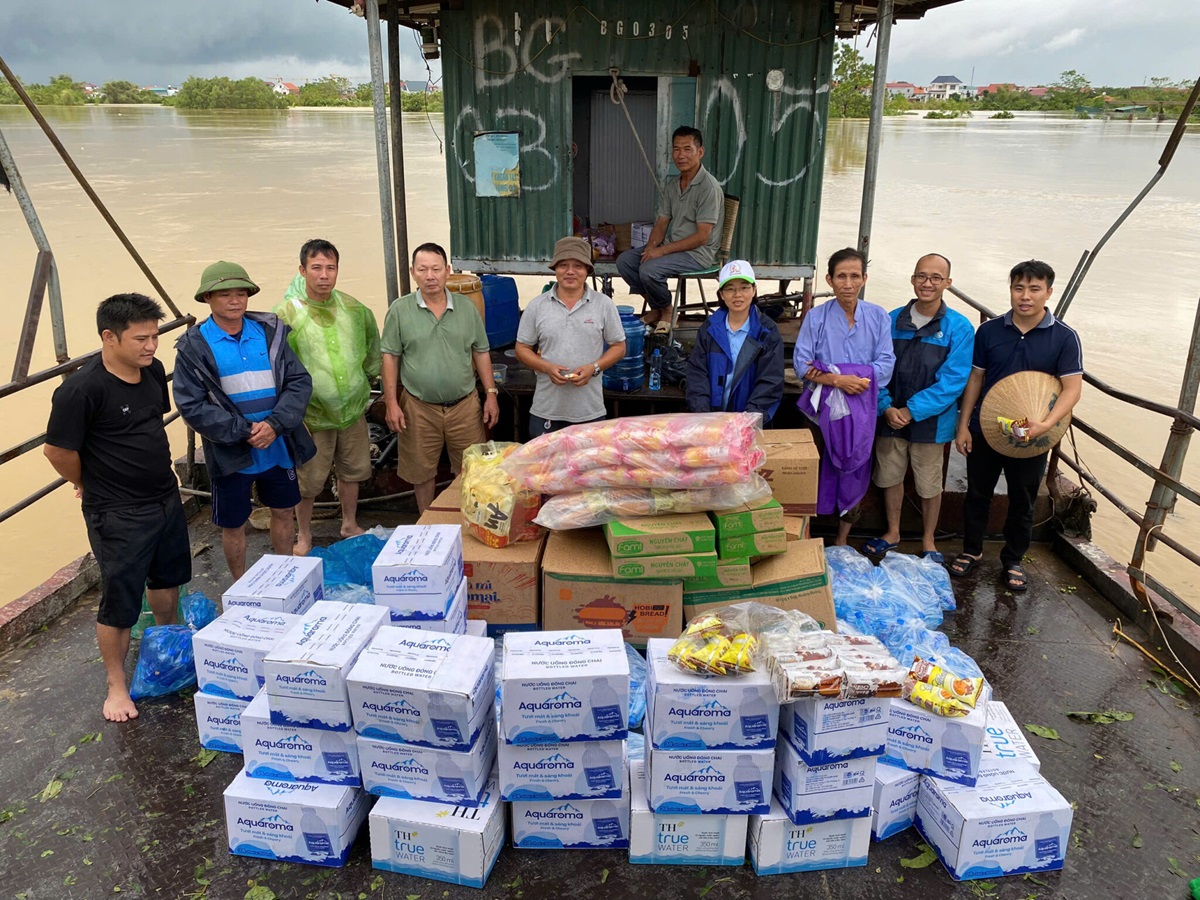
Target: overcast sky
x: 1112, y: 42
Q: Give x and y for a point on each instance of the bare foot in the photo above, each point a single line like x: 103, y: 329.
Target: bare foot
x: 118, y: 707
x: 351, y: 530
x: 302, y: 546
x: 652, y: 317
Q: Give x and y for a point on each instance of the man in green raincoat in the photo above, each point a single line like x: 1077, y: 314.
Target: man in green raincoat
x: 337, y: 339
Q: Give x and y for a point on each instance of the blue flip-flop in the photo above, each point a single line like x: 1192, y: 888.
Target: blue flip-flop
x: 935, y: 555
x: 877, y: 548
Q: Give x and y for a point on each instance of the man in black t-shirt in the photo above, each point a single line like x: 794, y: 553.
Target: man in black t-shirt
x: 106, y: 437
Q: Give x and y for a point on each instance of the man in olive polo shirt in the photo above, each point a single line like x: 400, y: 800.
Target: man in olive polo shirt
x: 432, y: 348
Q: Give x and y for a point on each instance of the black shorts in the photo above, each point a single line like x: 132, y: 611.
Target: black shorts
x: 138, y: 547
x: 277, y: 489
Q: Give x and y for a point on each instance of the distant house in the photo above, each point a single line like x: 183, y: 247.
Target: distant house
x: 285, y: 88
x: 946, y: 86
x: 994, y: 88
x: 416, y: 87
x: 1037, y: 91
x: 168, y: 91
x: 919, y: 94
x: 900, y: 89
x: 90, y: 89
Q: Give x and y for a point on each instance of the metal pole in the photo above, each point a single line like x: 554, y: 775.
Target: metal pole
x: 375, y: 49
x: 393, y: 35
x: 875, y: 132
x: 24, y: 201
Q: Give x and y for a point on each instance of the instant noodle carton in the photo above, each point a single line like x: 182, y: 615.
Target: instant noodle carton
x: 1004, y: 739
x: 695, y: 565
x: 778, y: 845
x: 579, y: 770
x: 219, y: 722
x: 449, y: 500
x: 573, y: 824
x: 762, y: 515
x: 286, y: 584
x: 731, y: 573
x: 424, y: 773
x: 677, y: 840
x: 758, y: 543
x: 292, y: 822
x: 791, y: 468
x: 824, y: 731
x: 230, y: 650
x: 418, y: 569
x: 895, y: 801
x: 838, y: 790
x: 455, y: 844
x: 669, y: 535
x: 287, y: 753
x: 1011, y: 821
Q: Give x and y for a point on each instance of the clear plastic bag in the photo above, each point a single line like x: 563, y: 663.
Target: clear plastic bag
x: 197, y: 610
x: 637, y: 686
x: 588, y: 508
x: 923, y: 573
x: 349, y: 561
x: 677, y: 451
x: 350, y: 593
x: 846, y: 562
x: 738, y: 638
x: 166, y: 662
x: 497, y: 511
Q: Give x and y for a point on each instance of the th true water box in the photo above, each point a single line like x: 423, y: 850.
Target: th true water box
x: 894, y: 802
x: 1003, y: 737
x: 305, y: 672
x: 230, y: 650
x: 423, y: 773
x: 680, y: 840
x: 778, y: 845
x: 1010, y: 822
x: 419, y: 569
x: 219, y: 722
x: 289, y: 584
x: 691, y: 712
x: 563, y: 686
x: 824, y: 731
x: 451, y: 620
x: 573, y: 824
x: 292, y: 822
x: 693, y: 782
x: 441, y: 841
x: 288, y: 753
x: 420, y: 687
x: 925, y: 742
x: 580, y: 770
x: 838, y: 790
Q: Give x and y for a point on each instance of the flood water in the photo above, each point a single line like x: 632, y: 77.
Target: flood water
x: 193, y: 187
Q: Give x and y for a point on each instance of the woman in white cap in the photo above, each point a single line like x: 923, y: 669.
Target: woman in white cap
x: 737, y: 362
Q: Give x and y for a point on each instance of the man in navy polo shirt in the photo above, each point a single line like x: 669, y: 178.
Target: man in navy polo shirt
x: 1026, y: 338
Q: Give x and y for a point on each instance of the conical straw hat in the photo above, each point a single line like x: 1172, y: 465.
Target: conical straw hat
x: 1022, y: 395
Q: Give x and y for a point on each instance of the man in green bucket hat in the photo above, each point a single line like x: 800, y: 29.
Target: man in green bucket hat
x: 241, y: 387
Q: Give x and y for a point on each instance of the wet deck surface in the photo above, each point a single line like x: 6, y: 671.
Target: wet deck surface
x: 90, y: 809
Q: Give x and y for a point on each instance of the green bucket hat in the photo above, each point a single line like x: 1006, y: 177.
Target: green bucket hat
x: 221, y: 276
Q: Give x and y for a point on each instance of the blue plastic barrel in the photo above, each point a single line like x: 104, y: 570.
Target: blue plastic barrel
x: 503, y: 309
x: 629, y: 372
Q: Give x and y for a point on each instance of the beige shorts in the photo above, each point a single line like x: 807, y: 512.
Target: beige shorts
x: 428, y: 427
x: 347, y: 451
x: 893, y: 457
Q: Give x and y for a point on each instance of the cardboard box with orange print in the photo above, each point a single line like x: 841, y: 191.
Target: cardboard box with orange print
x: 792, y: 468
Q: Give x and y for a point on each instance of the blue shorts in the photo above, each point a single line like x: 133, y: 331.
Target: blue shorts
x: 277, y: 488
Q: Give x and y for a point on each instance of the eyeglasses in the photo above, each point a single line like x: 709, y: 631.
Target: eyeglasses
x: 738, y: 287
x: 935, y: 280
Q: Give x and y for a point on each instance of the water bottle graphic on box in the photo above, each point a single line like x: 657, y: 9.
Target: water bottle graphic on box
x: 597, y: 770
x: 335, y: 756
x: 956, y: 752
x: 747, y: 790
x: 606, y: 706
x: 445, y: 726
x: 314, y: 841
x: 605, y: 821
x: 756, y: 724
x: 450, y: 776
x: 1046, y: 846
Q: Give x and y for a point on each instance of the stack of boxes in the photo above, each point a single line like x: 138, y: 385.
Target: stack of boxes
x: 710, y: 755
x: 563, y: 728
x: 671, y: 547
x: 418, y: 576
x: 749, y: 531
x: 299, y: 797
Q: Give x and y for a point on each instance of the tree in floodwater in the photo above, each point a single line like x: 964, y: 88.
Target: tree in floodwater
x: 1071, y: 90
x: 332, y: 90
x: 852, y: 77
x: 224, y: 93
x: 63, y: 90
x: 125, y: 92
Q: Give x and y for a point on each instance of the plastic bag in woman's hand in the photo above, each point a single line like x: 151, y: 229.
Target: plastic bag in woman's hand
x: 166, y: 662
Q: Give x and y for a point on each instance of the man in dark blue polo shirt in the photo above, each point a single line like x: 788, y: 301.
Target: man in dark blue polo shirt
x: 1026, y: 338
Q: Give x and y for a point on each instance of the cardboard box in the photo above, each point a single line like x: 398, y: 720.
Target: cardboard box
x: 305, y: 672
x: 639, y: 234
x: 695, y: 565
x: 777, y: 845
x: 287, y: 584
x: 792, y: 468
x: 441, y: 841
x: 731, y: 573
x: 414, y: 687
x: 573, y: 824
x: 668, y: 535
x: 561, y: 686
x: 924, y: 742
x: 583, y: 770
x: 229, y: 651
x: 449, y: 500
x: 292, y: 822
x: 420, y: 567
x: 476, y: 628
x: 624, y: 234
x: 840, y: 790
x: 219, y: 722
x: 894, y: 803
x: 825, y: 731
x: 410, y: 772
x: 1010, y: 822
x: 703, y: 782
x: 503, y: 583
x: 690, y: 712
x: 762, y: 515
x: 579, y: 590
x: 286, y: 753
x: 680, y: 840
x: 795, y: 579
x: 758, y: 543
x: 452, y: 619
x: 797, y: 528
x: 1004, y: 739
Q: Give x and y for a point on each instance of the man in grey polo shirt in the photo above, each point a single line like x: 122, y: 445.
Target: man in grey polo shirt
x: 687, y: 233
x: 569, y: 325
